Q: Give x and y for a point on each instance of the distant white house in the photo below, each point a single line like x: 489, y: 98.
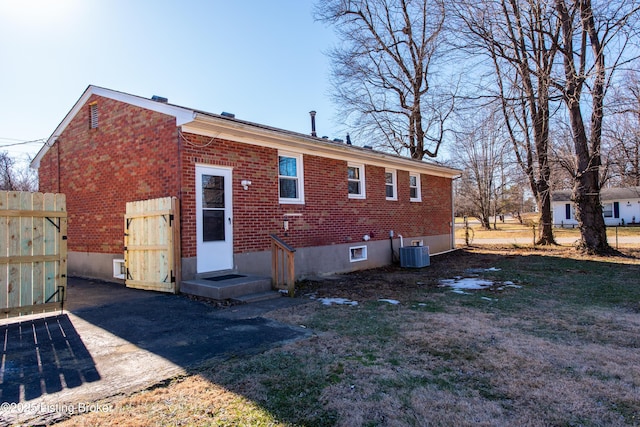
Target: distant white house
x: 620, y: 206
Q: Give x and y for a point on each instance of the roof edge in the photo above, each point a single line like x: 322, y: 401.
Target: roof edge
x: 246, y: 132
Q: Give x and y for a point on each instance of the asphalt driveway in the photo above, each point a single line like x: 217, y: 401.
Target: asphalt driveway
x: 112, y: 340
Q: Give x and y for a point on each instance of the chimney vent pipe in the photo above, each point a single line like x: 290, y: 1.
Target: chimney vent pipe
x: 313, y: 123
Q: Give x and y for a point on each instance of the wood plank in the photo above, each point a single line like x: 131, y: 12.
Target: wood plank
x: 13, y: 230
x: 50, y: 247
x: 30, y: 309
x: 28, y: 259
x: 28, y: 212
x: 61, y: 205
x: 4, y: 251
x: 176, y: 249
x: 148, y: 214
x: 27, y: 283
x: 148, y: 225
x: 37, y: 249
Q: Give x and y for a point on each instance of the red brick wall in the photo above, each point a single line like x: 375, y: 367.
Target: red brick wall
x: 131, y: 155
x: 328, y: 216
x: 134, y: 154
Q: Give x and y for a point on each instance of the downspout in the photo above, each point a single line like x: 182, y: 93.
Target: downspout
x: 452, y: 226
x: 58, y: 162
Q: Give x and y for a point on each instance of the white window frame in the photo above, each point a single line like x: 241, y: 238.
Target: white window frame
x: 354, y: 250
x: 363, y: 192
x: 394, y: 184
x: 299, y: 178
x: 417, y: 187
x: 607, y: 210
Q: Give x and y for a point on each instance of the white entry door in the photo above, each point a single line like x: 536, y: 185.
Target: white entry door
x: 214, y: 221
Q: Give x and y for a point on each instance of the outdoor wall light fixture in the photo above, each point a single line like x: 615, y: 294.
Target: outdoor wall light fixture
x: 285, y: 225
x: 245, y: 184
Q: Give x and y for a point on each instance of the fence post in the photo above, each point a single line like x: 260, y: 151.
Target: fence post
x: 466, y: 231
x: 534, y: 234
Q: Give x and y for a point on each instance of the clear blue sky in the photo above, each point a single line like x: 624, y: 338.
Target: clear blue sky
x: 263, y: 60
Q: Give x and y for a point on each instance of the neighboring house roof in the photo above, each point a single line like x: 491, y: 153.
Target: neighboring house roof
x: 606, y: 194
x: 225, y: 127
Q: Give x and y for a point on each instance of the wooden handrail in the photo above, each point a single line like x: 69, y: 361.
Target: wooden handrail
x: 278, y: 247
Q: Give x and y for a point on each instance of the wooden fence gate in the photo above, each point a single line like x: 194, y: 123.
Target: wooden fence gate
x: 152, y: 245
x: 33, y: 252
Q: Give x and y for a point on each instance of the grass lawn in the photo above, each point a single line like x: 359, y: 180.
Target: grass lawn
x: 554, y: 341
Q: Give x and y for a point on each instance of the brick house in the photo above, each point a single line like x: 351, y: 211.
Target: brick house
x: 335, y: 203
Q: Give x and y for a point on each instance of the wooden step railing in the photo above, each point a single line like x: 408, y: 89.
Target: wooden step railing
x: 282, y: 265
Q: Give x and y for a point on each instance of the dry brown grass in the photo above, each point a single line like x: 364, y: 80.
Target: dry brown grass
x: 562, y: 350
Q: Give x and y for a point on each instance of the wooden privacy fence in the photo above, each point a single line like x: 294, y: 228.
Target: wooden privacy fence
x: 152, y: 245
x: 33, y: 252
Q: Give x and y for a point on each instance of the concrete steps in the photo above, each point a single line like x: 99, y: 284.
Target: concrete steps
x: 244, y: 288
x: 257, y: 297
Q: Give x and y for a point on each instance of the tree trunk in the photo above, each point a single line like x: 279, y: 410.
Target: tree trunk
x: 545, y: 231
x: 586, y: 187
x: 586, y: 190
x: 589, y: 215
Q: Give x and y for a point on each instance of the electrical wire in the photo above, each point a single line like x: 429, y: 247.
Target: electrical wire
x: 20, y: 142
x: 193, y: 144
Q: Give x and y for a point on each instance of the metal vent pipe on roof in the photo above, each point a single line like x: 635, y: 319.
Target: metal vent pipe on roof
x: 313, y: 123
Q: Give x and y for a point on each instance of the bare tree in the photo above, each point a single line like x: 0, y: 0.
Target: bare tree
x: 519, y: 37
x: 382, y: 71
x: 622, y: 132
x: 481, y: 148
x: 15, y: 178
x: 591, y: 36
x: 6, y: 172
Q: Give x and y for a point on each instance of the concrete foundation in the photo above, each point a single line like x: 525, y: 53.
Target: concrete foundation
x: 312, y: 261
x: 92, y: 265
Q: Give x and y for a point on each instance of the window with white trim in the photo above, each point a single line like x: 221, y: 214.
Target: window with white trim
x: 355, y: 176
x: 607, y: 210
x: 415, y: 195
x: 391, y: 191
x: 357, y: 253
x: 290, y: 178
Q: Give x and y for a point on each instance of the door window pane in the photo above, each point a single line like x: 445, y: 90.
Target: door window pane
x: 212, y: 191
x: 212, y: 225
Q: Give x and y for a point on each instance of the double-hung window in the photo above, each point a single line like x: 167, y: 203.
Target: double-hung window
x: 290, y: 178
x: 415, y: 195
x: 355, y: 177
x: 391, y: 190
